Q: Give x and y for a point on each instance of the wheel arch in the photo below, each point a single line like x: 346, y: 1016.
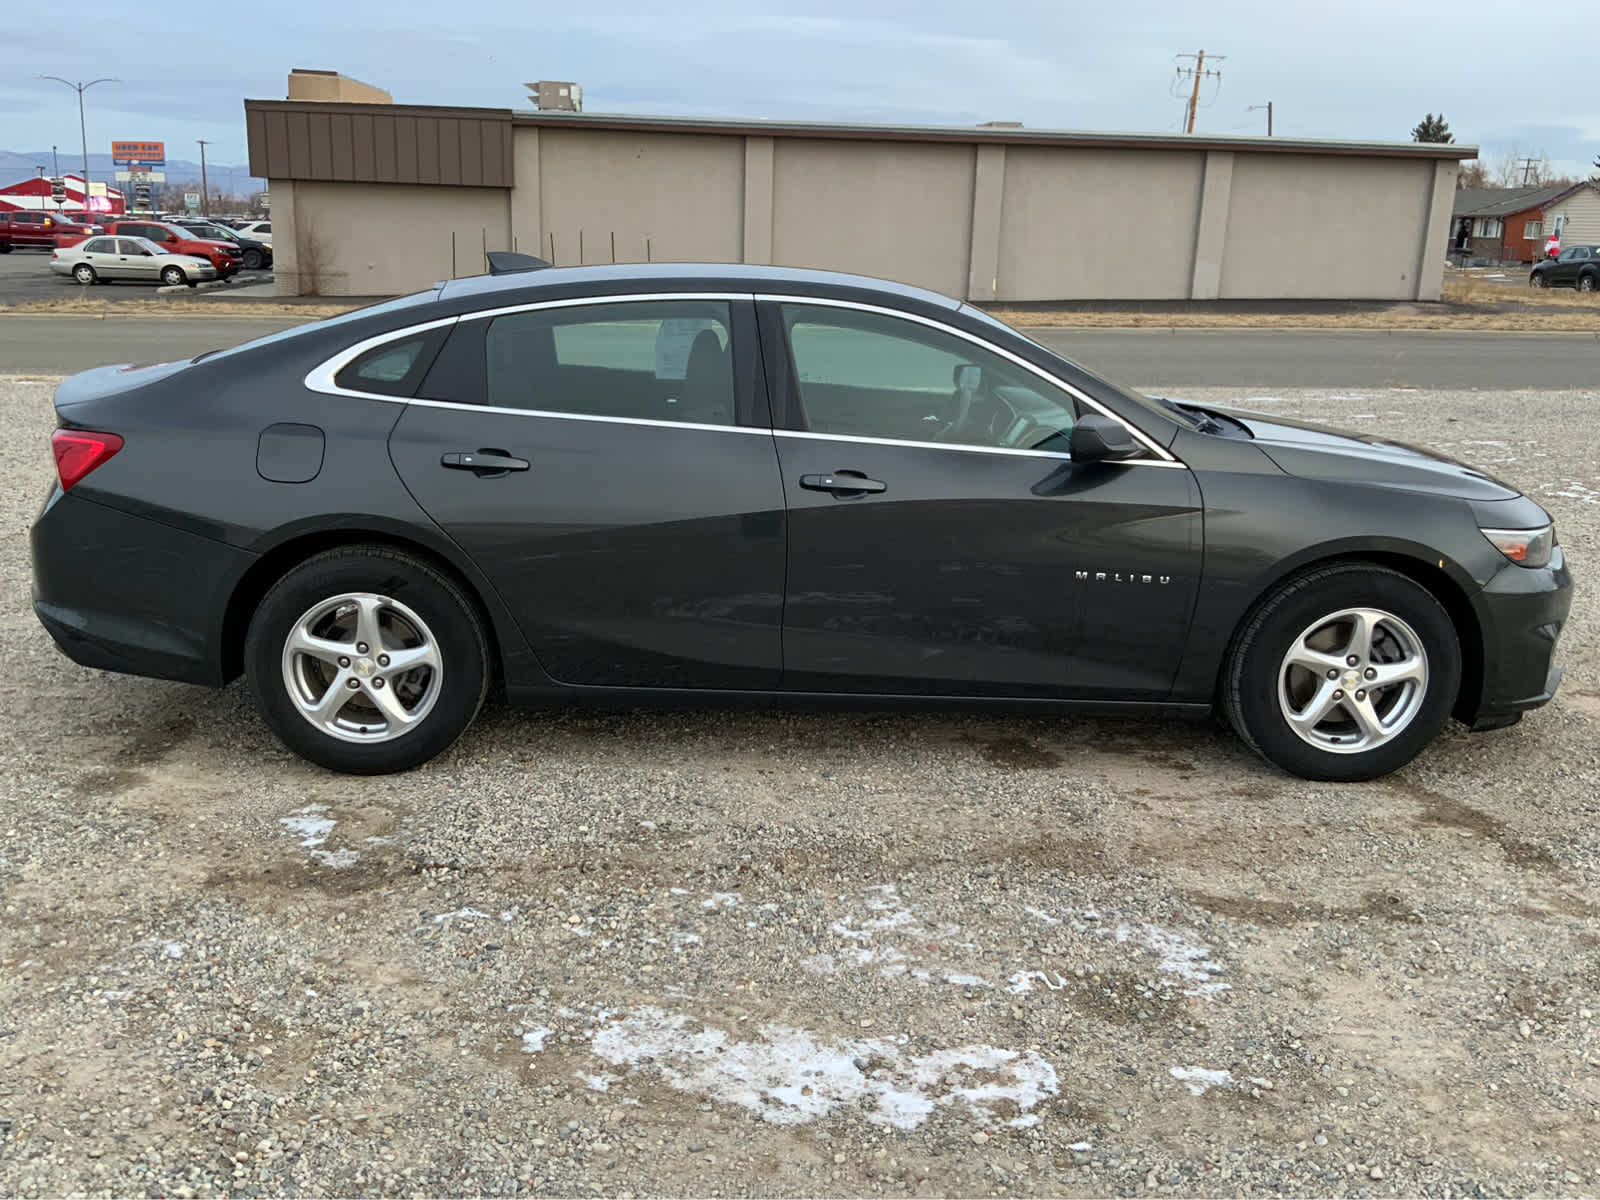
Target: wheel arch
x: 1427, y: 573
x: 295, y: 546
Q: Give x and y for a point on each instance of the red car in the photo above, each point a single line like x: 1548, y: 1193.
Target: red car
x: 43, y: 230
x: 224, y: 256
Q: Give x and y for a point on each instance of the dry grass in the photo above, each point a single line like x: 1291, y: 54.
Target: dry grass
x: 1467, y: 303
x: 86, y: 306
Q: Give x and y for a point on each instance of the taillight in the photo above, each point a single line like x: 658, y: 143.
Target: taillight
x: 79, y: 451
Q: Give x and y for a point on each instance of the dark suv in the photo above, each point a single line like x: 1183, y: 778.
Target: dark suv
x: 1575, y: 267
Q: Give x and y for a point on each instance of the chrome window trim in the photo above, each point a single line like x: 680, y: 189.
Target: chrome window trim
x: 321, y: 377
x: 1138, y: 434
x: 566, y: 416
x: 969, y: 448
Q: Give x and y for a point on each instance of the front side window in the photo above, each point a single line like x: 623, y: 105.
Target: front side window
x: 657, y: 360
x: 870, y: 375
x: 130, y: 246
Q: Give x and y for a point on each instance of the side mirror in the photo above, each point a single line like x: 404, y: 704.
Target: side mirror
x: 1100, y: 439
x: 172, y: 237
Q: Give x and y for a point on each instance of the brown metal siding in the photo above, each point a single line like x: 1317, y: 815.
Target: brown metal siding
x: 379, y: 143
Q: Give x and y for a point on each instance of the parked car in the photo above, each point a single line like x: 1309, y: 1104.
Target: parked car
x: 253, y: 253
x: 40, y: 230
x: 103, y: 259
x: 260, y: 230
x: 175, y: 239
x: 669, y: 482
x: 1576, y: 267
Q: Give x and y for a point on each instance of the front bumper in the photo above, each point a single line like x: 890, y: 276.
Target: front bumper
x: 1521, y: 613
x: 126, y: 593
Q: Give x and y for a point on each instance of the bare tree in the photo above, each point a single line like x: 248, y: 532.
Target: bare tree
x: 311, y: 260
x: 1473, y: 174
x: 1515, y: 167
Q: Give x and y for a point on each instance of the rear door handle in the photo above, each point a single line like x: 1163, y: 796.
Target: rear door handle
x: 484, y: 462
x: 843, y: 483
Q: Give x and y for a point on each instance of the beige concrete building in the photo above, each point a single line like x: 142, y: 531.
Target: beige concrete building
x: 377, y: 199
x: 330, y: 87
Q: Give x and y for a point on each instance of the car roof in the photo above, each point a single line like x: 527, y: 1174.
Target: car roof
x: 688, y: 276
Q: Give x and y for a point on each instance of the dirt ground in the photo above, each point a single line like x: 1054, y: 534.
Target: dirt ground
x: 798, y: 954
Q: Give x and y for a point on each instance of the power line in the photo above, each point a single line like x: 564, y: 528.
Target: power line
x: 1196, y: 74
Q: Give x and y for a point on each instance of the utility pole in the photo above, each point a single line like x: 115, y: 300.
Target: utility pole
x: 1258, y: 108
x: 1197, y: 73
x: 1530, y: 169
x: 205, y: 192
x: 83, y: 129
x: 56, y: 160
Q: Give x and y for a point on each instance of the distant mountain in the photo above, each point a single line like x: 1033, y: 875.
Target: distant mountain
x: 222, y: 177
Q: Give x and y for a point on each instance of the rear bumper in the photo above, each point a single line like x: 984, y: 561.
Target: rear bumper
x: 1521, y: 613
x: 125, y: 593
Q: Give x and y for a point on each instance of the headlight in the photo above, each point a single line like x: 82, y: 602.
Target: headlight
x: 1525, y: 547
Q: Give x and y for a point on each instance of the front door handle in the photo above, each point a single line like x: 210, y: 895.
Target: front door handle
x: 843, y: 483
x: 486, y: 462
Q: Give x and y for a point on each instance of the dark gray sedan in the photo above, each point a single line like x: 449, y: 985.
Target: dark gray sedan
x: 714, y: 483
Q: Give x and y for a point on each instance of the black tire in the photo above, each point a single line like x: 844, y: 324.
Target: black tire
x: 173, y: 276
x: 84, y: 274
x: 5, y: 247
x: 1588, y: 283
x: 1252, y: 675
x: 1537, y: 280
x: 450, y: 616
x: 252, y: 260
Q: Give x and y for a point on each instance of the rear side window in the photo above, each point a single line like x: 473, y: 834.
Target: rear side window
x: 100, y: 246
x: 394, y: 368
x: 658, y: 360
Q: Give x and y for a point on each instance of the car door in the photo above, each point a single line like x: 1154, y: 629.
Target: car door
x: 1565, y: 268
x: 135, y: 261
x: 610, y: 467
x: 100, y: 253
x: 941, y: 539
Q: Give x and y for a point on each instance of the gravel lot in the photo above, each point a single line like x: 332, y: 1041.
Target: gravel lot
x: 800, y: 954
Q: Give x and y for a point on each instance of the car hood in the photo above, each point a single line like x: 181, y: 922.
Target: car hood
x: 1318, y: 452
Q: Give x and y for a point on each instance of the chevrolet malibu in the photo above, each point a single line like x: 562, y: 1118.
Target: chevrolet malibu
x: 713, y: 483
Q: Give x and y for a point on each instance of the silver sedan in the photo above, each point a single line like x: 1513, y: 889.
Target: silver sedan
x: 105, y: 258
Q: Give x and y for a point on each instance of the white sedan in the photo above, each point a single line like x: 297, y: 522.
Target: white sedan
x: 98, y: 259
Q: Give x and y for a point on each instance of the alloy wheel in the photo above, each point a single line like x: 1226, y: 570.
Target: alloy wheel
x: 362, y: 667
x: 1353, y: 680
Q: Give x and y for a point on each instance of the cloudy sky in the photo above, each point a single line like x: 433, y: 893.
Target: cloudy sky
x: 1332, y: 68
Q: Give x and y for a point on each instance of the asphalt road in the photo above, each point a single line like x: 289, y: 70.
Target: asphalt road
x: 1148, y: 358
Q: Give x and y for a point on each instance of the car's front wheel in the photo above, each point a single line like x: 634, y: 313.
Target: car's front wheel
x: 367, y: 660
x: 173, y: 276
x: 1537, y: 280
x: 1345, y: 673
x: 253, y: 260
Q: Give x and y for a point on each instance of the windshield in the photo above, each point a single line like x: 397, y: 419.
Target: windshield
x: 357, y: 314
x: 1171, y: 412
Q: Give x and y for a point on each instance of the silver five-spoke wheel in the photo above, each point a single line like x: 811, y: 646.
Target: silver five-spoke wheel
x: 1353, y: 680
x: 362, y: 667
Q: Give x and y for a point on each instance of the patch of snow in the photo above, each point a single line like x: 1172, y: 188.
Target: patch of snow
x: 461, y: 914
x: 1200, y: 1080
x: 533, y: 1039
x: 792, y: 1076
x: 721, y: 900
x: 1022, y: 982
x: 962, y: 980
x: 647, y: 824
x: 1043, y: 916
x: 1081, y: 1147
x: 600, y: 1083
x: 172, y: 950
x: 678, y: 891
x: 1182, y: 957
x: 338, y: 859
x: 309, y: 825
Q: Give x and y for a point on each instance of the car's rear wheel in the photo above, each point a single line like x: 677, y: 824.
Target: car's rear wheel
x: 172, y: 276
x: 5, y: 247
x: 1587, y: 283
x: 84, y: 274
x: 367, y: 660
x: 1345, y: 673
x: 252, y: 260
